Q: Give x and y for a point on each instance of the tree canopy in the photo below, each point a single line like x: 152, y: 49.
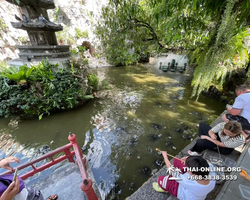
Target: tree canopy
x: 212, y: 33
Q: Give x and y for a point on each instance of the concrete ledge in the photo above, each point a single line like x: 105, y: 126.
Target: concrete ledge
x: 230, y: 189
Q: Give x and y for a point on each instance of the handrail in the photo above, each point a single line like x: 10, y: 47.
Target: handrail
x: 68, y: 155
x: 86, y: 184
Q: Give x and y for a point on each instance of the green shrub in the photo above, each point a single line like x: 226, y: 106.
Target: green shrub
x: 46, y: 90
x: 81, y: 34
x: 93, y: 81
x: 65, y: 37
x: 23, y: 73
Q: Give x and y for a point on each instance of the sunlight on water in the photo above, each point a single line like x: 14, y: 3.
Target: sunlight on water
x: 146, y: 109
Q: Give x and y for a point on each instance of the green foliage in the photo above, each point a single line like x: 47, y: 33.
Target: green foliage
x: 78, y: 59
x: 64, y: 37
x: 22, y: 39
x: 81, y: 34
x: 47, y: 89
x: 211, y: 32
x: 219, y: 56
x: 3, y: 64
x: 2, y: 25
x: 93, y: 81
x: 16, y: 74
x: 103, y: 85
x: 90, y: 14
x: 56, y: 13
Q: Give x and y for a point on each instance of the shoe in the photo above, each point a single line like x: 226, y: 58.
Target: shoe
x: 193, y: 153
x: 52, y: 197
x: 196, y: 125
x: 157, y: 187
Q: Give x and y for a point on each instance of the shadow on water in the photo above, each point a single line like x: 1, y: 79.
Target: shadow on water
x: 148, y: 109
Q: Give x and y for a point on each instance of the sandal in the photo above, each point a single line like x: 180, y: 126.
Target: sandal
x: 193, y: 153
x: 157, y: 187
x: 52, y: 197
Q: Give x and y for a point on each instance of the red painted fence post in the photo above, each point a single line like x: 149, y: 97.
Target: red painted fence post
x: 86, y: 185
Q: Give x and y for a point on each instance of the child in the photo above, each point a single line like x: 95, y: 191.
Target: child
x: 187, y: 189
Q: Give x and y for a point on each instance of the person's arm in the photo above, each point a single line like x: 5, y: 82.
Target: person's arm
x: 11, y: 191
x: 220, y: 144
x: 234, y: 111
x: 165, y: 156
x: 237, y: 106
x: 5, y: 163
x: 212, y: 135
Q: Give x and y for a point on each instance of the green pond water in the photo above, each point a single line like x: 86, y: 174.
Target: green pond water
x: 116, y: 132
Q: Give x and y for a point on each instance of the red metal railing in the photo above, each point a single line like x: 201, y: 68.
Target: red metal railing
x: 86, y: 184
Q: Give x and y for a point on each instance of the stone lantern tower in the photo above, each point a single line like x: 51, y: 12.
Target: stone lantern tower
x: 41, y: 32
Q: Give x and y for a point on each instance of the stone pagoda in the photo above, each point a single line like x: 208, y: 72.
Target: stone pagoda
x: 41, y: 31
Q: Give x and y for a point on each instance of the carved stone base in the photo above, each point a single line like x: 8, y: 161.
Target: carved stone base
x: 43, y: 51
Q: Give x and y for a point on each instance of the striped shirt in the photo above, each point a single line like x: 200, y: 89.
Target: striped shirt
x: 230, y: 142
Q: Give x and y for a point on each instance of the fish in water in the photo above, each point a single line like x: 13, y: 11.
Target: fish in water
x: 44, y: 149
x: 156, y: 126
x: 186, y: 136
x: 153, y: 137
x: 169, y: 144
x: 158, y: 103
x: 133, y: 141
x: 179, y: 130
x: 146, y: 170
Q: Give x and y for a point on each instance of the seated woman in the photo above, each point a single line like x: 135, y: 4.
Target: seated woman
x: 224, y: 136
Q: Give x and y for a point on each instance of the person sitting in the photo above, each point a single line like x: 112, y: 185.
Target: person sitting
x: 240, y: 111
x: 223, y: 137
x: 16, y: 190
x: 187, y: 188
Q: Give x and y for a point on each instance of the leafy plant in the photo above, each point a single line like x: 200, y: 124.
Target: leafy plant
x: 81, y: 34
x: 48, y: 89
x: 64, y: 37
x: 212, y: 33
x: 22, y: 39
x: 93, y: 81
x: 23, y: 73
x: 56, y: 13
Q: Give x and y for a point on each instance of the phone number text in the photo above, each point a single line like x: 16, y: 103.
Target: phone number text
x: 213, y: 177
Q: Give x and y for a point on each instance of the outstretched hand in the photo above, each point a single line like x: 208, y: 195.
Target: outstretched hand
x: 11, y: 191
x: 183, y: 160
x: 5, y: 163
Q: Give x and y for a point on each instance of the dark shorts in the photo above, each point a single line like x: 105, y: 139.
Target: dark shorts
x: 243, y: 121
